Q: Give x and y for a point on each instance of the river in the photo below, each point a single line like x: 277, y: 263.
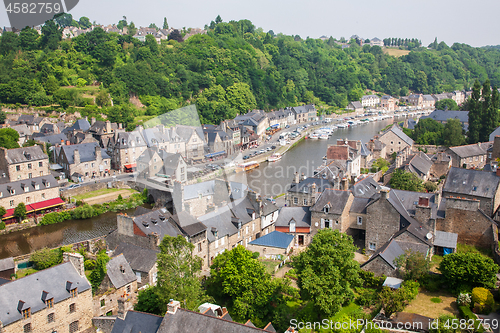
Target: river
x: 270, y: 179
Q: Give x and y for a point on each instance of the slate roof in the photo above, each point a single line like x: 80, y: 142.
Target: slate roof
x: 336, y: 200
x: 137, y: 322
x: 99, y: 127
x: 25, y: 154
x: 355, y: 105
x: 29, y: 290
x: 274, y: 239
x: 388, y: 252
x: 53, y: 139
x: 303, y: 108
x: 409, y: 200
x: 305, y: 185
x: 114, y: 269
x: 441, y: 115
x: 445, y: 239
x: 188, y: 321
x: 428, y: 98
x: 189, y: 224
x: 365, y: 188
x: 6, y: 264
x: 19, y: 186
x: 301, y: 215
x: 208, y: 188
x: 125, y: 140
x: 471, y: 182
x: 22, y: 129
x: 268, y: 207
x: 359, y: 205
x: 471, y: 150
x: 153, y: 222
x: 139, y: 259
x: 79, y: 125
x: 495, y: 133
x: 421, y: 164
x: 85, y: 150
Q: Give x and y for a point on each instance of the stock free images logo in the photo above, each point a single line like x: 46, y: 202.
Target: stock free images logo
x: 31, y: 13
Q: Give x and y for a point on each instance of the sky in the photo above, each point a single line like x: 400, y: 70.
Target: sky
x: 472, y: 22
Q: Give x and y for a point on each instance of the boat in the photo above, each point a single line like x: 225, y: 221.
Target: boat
x: 343, y: 125
x: 247, y: 166
x: 313, y: 136
x: 274, y: 157
x: 324, y: 136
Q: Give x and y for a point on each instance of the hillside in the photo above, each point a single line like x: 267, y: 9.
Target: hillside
x: 233, y: 68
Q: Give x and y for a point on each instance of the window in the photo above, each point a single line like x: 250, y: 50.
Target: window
x: 129, y: 289
x: 216, y: 243
x: 103, y: 301
x: 372, y: 246
x: 93, y: 164
x: 360, y: 220
x: 326, y: 209
x: 246, y: 230
x: 29, y: 166
x: 86, y: 165
x: 43, y: 195
x: 41, y: 173
x: 40, y: 164
x: 18, y: 168
x: 26, y: 313
x: 51, y: 317
x: 12, y: 203
x: 73, y: 327
x: 74, y: 292
x: 239, y: 233
x: 27, y: 328
x: 327, y: 223
x: 392, y: 142
x: 27, y: 199
x: 72, y: 307
x: 253, y: 226
x: 30, y: 175
x: 305, y: 202
x: 139, y: 280
x: 222, y: 241
x: 295, y: 201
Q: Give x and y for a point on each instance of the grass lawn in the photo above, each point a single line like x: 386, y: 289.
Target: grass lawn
x: 435, y: 261
x: 464, y: 248
x: 396, y: 52
x: 101, y: 192
x: 25, y: 271
x: 423, y: 304
x: 270, y: 265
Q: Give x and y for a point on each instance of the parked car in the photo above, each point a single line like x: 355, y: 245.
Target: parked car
x: 262, y: 151
x: 273, y: 147
x: 73, y: 186
x: 269, y: 148
x: 246, y: 157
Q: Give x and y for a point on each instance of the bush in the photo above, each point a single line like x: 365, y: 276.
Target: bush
x: 460, y: 270
x: 89, y: 264
x: 52, y: 218
x: 411, y: 289
x: 436, y: 300
x: 79, y: 203
x: 370, y: 280
x: 464, y: 300
x: 255, y: 255
x: 2, y: 225
x: 443, y: 324
x: 483, y: 300
x: 83, y: 212
x: 46, y: 258
x: 367, y: 297
x: 466, y: 313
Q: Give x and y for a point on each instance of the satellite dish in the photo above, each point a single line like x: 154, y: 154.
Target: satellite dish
x: 316, y: 224
x: 428, y: 236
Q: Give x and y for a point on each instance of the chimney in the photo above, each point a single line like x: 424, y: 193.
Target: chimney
x: 383, y: 194
x: 76, y: 156
x: 303, y: 177
x: 423, y: 202
x: 296, y: 178
x: 62, y: 142
x: 92, y: 121
x: 120, y: 126
x: 121, y: 308
x: 108, y: 126
x: 77, y: 260
x: 173, y: 306
x: 344, y: 184
x: 68, y: 143
x: 224, y: 310
x: 498, y: 172
x: 98, y: 155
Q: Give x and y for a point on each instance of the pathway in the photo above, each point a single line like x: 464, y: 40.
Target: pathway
x: 108, y: 197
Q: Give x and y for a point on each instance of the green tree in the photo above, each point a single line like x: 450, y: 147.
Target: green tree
x: 408, y: 181
x: 392, y: 300
x: 240, y: 97
x: 453, y: 133
x: 84, y: 22
x: 178, y: 271
x: 175, y: 35
x: 430, y: 186
x: 102, y: 99
x: 51, y: 35
x: 20, y: 211
x: 218, y: 19
x: 3, y: 116
x: 487, y: 125
x: 412, y: 265
x: 327, y: 271
x: 152, y: 44
x: 9, y: 42
x: 131, y: 29
x: 99, y: 271
x: 63, y: 19
x: 464, y: 271
x: 165, y: 24
x: 444, y: 324
x: 148, y: 301
x: 28, y: 38
x: 428, y: 132
x: 9, y: 138
x: 244, y: 284
x: 475, y: 113
x: 447, y: 104
x: 46, y: 258
x: 2, y: 212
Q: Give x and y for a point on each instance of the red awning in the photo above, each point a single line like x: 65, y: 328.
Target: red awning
x: 130, y: 166
x: 36, y: 207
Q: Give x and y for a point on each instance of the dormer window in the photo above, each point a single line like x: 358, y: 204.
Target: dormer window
x: 326, y: 209
x: 26, y: 313
x: 74, y: 292
x: 25, y: 188
x: 292, y: 226
x: 122, y: 269
x: 49, y: 303
x: 11, y: 190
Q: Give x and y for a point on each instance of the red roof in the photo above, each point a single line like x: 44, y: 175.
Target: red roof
x: 36, y: 206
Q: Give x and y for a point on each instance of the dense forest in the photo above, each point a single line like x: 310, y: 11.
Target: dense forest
x: 231, y: 69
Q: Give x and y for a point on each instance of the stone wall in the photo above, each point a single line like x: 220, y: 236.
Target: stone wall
x: 104, y: 324
x: 108, y: 301
x: 379, y: 267
x: 486, y: 204
x: 382, y: 222
x: 92, y: 187
x: 30, y: 197
x: 429, y: 149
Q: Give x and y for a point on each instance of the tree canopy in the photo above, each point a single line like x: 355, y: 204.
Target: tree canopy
x: 327, y: 271
x: 464, y: 271
x: 405, y: 180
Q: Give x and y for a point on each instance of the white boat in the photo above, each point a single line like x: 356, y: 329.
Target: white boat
x: 343, y: 125
x: 324, y: 136
x: 313, y: 136
x: 274, y: 157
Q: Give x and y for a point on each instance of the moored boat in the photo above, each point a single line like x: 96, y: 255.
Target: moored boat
x: 247, y: 166
x: 274, y: 157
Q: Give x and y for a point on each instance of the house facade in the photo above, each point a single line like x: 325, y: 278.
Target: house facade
x: 388, y: 102
x: 370, y: 101
x: 83, y: 161
x: 23, y: 163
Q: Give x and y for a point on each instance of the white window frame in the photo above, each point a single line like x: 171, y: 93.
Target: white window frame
x: 359, y: 220
x: 372, y: 246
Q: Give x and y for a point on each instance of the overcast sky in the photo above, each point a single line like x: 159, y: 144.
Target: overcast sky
x: 472, y: 22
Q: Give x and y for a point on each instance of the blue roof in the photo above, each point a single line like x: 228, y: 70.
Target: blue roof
x: 274, y: 239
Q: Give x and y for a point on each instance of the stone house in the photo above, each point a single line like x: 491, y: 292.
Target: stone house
x: 124, y: 149
x: 164, y: 138
x: 170, y: 166
x: 303, y: 192
x: 103, y: 131
x: 441, y: 163
x: 34, y: 192
x: 415, y: 100
x: 377, y: 148
x: 395, y: 139
x: 370, y: 101
x: 149, y: 163
x: 470, y: 156
x: 355, y: 106
x: 82, y: 161
x: 219, y: 143
x: 23, y: 163
x: 428, y: 102
x: 7, y: 269
x: 331, y: 210
x: 142, y: 262
x: 304, y: 113
x: 193, y: 138
x: 348, y: 153
x: 419, y: 164
x: 56, y: 299
x: 119, y: 284
x: 388, y: 103
x: 33, y: 121
x: 256, y: 121
x: 133, y: 322
x: 475, y: 185
x: 295, y: 221
x: 24, y: 133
